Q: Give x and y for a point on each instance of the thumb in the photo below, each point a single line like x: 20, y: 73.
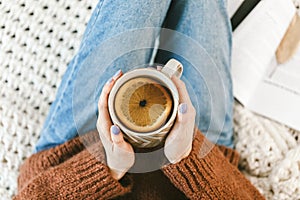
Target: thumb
x: 182, y: 110
x: 117, y: 136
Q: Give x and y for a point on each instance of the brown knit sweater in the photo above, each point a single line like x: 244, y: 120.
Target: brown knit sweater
x: 70, y: 171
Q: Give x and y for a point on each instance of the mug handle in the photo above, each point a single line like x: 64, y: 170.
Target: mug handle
x: 173, y: 67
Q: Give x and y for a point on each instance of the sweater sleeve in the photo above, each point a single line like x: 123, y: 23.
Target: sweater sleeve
x: 207, y: 174
x: 70, y: 171
x: 231, y: 155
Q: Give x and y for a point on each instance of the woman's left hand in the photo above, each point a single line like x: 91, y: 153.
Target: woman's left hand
x: 178, y: 144
x: 119, y: 153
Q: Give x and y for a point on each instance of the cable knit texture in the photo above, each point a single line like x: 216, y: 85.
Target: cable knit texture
x: 207, y: 174
x: 37, y: 40
x: 69, y: 172
x: 72, y: 171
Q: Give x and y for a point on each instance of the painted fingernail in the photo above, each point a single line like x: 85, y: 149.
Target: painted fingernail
x: 109, y: 81
x: 117, y: 74
x: 115, y: 129
x: 183, y: 108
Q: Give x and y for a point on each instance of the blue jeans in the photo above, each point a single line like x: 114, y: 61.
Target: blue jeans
x: 201, y: 40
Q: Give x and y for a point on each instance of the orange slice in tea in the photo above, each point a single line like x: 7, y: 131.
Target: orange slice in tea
x: 143, y: 104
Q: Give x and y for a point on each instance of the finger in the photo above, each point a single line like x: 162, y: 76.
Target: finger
x: 179, y: 141
x: 107, y: 88
x: 183, y: 93
x: 184, y: 121
x: 182, y: 109
x: 104, y: 121
x: 103, y: 99
x: 117, y: 137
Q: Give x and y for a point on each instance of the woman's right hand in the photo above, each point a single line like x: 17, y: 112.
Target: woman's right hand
x: 179, y: 142
x: 119, y: 153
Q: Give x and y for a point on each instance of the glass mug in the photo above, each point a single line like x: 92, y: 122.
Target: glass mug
x: 143, y: 103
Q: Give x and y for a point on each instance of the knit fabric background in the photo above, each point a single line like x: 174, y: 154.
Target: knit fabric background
x: 37, y: 40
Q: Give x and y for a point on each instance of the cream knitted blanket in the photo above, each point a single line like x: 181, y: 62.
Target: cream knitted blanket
x: 37, y: 40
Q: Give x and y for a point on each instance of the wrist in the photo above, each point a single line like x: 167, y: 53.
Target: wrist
x: 117, y: 175
x: 173, y: 159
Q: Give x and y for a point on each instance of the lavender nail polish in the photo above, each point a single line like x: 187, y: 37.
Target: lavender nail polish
x: 115, y: 129
x: 117, y: 74
x: 183, y: 108
x: 109, y: 81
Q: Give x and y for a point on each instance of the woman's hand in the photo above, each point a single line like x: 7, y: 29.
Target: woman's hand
x: 119, y: 154
x: 178, y: 144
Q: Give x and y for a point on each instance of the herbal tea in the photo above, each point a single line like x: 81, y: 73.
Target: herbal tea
x: 143, y: 104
